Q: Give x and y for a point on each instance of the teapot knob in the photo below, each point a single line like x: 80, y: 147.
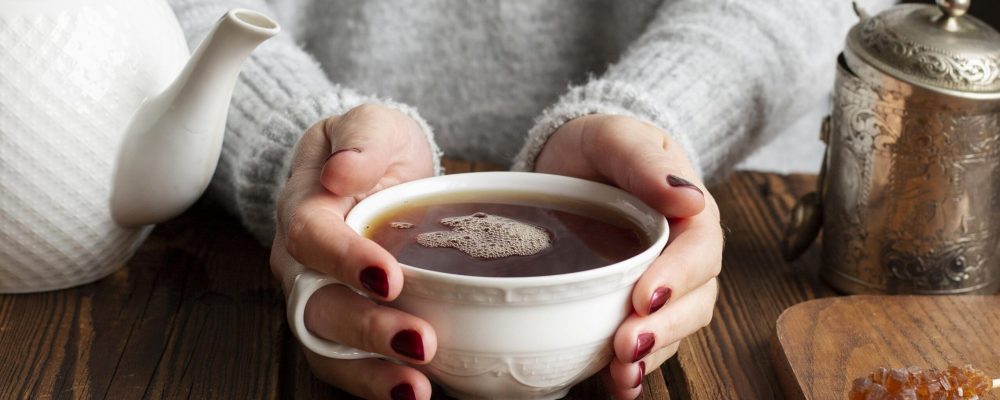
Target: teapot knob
x: 954, y: 8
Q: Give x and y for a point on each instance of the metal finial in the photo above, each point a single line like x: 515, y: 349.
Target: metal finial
x: 954, y: 8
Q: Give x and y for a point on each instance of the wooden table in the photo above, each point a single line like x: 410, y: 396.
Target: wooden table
x: 196, y: 314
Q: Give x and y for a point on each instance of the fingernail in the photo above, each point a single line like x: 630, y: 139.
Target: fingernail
x: 659, y: 298
x: 677, y: 181
x: 374, y: 279
x: 354, y: 149
x: 642, y: 373
x: 643, y: 344
x: 403, y: 391
x: 409, y: 343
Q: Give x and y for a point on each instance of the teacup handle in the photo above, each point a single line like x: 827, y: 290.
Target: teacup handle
x: 307, y: 283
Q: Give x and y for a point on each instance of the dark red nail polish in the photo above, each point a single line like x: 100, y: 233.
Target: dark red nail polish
x: 403, y: 391
x: 659, y: 298
x: 643, y: 344
x: 409, y: 343
x: 374, y: 279
x: 354, y: 149
x: 677, y: 181
x: 642, y: 373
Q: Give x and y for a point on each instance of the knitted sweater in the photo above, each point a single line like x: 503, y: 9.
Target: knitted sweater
x: 495, y: 78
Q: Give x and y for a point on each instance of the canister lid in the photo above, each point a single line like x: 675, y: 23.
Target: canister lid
x: 932, y: 47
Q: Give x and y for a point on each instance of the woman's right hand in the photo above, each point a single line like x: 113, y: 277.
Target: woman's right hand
x: 338, y: 162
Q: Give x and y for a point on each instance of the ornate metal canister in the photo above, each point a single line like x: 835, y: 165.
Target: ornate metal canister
x: 909, y: 196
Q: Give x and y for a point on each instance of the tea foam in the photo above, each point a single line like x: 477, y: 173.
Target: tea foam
x: 483, y: 235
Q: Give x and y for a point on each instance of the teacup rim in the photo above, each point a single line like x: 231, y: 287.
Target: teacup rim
x: 398, y: 195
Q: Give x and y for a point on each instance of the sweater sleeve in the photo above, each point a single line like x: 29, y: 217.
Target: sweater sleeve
x: 718, y: 76
x: 281, y: 92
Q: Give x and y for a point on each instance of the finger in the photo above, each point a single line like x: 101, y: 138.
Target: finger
x: 318, y: 237
x: 693, y: 256
x: 627, y: 376
x: 313, y: 217
x: 656, y: 359
x: 642, y: 160
x: 307, y: 162
x: 639, y: 336
x: 371, y: 378
x: 338, y: 314
x: 365, y: 143
x: 352, y: 171
x: 360, y: 145
x: 311, y: 151
x: 616, y: 391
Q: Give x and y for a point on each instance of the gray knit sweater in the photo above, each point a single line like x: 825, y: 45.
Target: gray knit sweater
x: 495, y: 78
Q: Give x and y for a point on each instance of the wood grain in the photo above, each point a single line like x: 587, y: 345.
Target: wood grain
x: 821, y: 346
x: 194, y: 314
x: 729, y: 359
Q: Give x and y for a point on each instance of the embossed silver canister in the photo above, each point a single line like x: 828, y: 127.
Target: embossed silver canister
x: 909, y: 195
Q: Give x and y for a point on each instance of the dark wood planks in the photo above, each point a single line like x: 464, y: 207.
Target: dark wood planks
x: 193, y: 314
x: 730, y: 358
x: 196, y: 314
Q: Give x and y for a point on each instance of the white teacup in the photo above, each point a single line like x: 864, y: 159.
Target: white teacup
x: 524, y: 337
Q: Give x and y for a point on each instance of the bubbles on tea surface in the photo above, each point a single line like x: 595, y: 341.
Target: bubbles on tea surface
x: 400, y: 225
x: 483, y: 235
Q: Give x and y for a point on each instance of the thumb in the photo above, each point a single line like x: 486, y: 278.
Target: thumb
x: 643, y: 161
x: 354, y: 170
x: 361, y: 148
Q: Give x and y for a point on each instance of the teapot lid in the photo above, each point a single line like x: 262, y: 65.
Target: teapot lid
x: 932, y: 47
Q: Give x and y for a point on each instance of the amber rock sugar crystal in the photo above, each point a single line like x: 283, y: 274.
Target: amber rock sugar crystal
x: 914, y: 383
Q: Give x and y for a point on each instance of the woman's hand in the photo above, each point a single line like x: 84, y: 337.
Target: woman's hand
x: 676, y: 296
x: 338, y: 162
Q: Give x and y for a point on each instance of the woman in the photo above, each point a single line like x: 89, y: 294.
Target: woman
x: 660, y: 94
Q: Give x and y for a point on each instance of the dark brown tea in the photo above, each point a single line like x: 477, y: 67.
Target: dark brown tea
x: 506, y: 235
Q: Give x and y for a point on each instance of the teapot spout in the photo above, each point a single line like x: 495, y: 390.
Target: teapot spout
x: 173, y: 141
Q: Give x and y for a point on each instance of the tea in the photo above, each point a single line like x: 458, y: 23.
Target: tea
x: 506, y: 234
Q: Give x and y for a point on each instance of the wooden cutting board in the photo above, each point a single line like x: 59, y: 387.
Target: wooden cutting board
x: 821, y: 346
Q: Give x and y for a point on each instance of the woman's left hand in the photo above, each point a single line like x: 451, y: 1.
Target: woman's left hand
x: 676, y: 296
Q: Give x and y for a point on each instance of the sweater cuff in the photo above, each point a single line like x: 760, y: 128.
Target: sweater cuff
x: 259, y: 181
x: 600, y: 97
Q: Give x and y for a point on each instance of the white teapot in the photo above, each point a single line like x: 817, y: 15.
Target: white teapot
x: 107, y: 126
